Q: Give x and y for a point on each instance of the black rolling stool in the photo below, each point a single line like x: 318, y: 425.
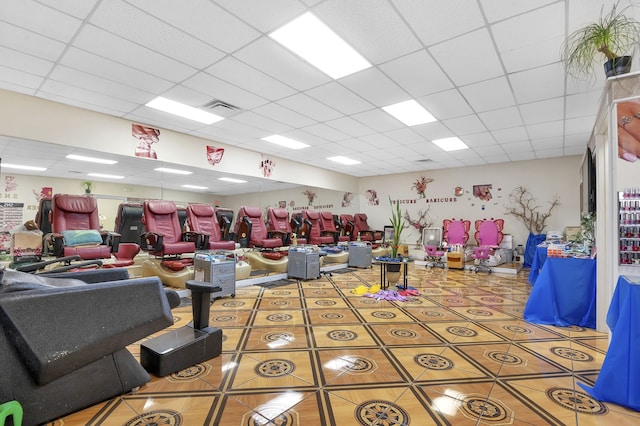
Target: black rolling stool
x: 188, y: 345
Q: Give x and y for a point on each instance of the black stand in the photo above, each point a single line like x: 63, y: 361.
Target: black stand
x: 188, y: 345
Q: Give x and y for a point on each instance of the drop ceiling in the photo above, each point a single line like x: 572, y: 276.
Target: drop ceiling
x: 488, y: 70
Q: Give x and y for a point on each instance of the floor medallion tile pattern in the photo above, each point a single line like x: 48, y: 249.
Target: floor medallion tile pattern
x: 312, y: 353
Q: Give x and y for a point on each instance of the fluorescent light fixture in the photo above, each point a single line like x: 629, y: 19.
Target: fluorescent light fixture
x: 311, y: 39
x: 21, y: 167
x: 194, y: 187
x: 410, y: 113
x: 232, y: 180
x: 286, y: 142
x: 450, y: 144
x: 90, y: 159
x: 343, y: 160
x: 100, y: 175
x: 174, y: 171
x: 182, y: 110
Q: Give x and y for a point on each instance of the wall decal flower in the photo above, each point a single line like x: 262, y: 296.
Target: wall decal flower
x: 420, y: 185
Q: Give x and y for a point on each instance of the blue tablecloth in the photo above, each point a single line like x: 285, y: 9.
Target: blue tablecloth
x: 620, y: 373
x: 564, y: 293
x: 538, y: 261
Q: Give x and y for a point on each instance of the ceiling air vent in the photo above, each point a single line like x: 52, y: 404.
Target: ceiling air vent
x: 424, y: 160
x: 221, y: 108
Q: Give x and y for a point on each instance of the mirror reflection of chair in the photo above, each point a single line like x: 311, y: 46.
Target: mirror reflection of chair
x: 316, y: 235
x: 164, y: 236
x: 328, y: 227
x: 43, y: 219
x: 456, y: 231
x: 225, y: 219
x: 75, y: 229
x: 128, y: 222
x: 489, y: 236
x: 362, y: 230
x: 347, y: 225
x: 202, y: 220
x: 300, y: 227
x: 279, y: 225
x: 252, y: 230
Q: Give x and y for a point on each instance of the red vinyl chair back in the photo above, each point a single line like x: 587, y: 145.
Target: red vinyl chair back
x: 278, y: 220
x: 315, y: 233
x: 202, y: 219
x: 259, y: 234
x: 161, y: 218
x: 360, y: 226
x: 328, y: 226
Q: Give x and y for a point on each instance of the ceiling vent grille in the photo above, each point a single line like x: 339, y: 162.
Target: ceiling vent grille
x: 424, y: 160
x: 221, y: 108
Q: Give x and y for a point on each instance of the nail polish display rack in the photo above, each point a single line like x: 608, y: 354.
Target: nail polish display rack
x: 629, y: 226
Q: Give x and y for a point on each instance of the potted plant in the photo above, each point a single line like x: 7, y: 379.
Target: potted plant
x: 398, y: 225
x: 88, y: 186
x: 614, y: 36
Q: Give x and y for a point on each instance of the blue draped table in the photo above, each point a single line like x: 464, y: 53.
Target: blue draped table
x: 538, y: 261
x: 564, y: 293
x: 619, y: 377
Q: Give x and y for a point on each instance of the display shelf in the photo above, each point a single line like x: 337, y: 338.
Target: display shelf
x: 629, y: 227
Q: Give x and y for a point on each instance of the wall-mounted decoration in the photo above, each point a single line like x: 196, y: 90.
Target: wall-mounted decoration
x: 420, y: 223
x: 420, y: 185
x: 145, y: 137
x: 483, y: 192
x: 458, y: 191
x: 525, y: 208
x: 347, y: 198
x: 311, y: 196
x: 267, y: 165
x: 282, y: 204
x: 214, y: 155
x: 45, y: 192
x: 372, y: 197
x: 10, y: 183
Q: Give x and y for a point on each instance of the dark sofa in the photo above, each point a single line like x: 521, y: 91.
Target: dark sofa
x: 64, y: 340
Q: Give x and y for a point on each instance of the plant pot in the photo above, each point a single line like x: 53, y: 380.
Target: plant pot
x: 393, y: 272
x: 618, y: 66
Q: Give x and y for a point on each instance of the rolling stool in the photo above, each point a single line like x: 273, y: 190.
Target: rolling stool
x: 188, y: 345
x: 11, y: 409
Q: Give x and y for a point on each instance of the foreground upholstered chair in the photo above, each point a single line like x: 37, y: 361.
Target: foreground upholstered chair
x: 64, y: 342
x: 75, y: 228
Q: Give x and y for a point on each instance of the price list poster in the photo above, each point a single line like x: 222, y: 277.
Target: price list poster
x: 11, y: 216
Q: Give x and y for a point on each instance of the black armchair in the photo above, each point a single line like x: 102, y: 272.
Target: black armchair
x: 64, y: 341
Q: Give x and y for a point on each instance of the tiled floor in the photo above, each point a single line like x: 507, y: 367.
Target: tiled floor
x: 313, y: 353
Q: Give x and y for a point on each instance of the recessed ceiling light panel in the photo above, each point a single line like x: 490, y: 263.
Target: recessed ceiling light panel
x: 343, y: 160
x: 90, y: 159
x: 101, y: 175
x: 450, y: 144
x: 183, y: 110
x: 410, y: 113
x: 174, y: 171
x: 232, y: 180
x: 311, y: 39
x: 286, y: 142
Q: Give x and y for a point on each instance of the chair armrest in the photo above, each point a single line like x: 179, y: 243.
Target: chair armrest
x: 151, y: 241
x: 111, y: 239
x: 54, y: 240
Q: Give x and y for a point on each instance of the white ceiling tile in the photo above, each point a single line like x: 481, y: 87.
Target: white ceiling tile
x: 466, y: 125
x: 204, y: 20
x: 372, y: 27
x: 431, y: 131
x: 340, y: 98
x: 542, y: 53
x: 405, y: 136
x: 260, y: 122
x: 474, y: 162
x: 349, y: 126
x: 40, y: 19
x: 578, y: 125
x: 417, y: 73
x: 477, y: 140
x: 582, y: 104
x: 497, y: 159
x: 374, y: 86
x: 138, y: 26
x: 325, y: 132
x: 265, y: 16
x: 378, y: 120
x: 510, y: 135
x: 469, y: 58
x: 215, y: 88
x: 537, y: 84
x: 488, y: 95
x: 545, y: 130
x: 95, y: 40
x: 491, y: 151
x: 309, y: 107
x: 574, y: 150
x: 513, y: 147
x: 284, y: 115
x: 377, y: 140
x: 271, y: 58
x: 501, y: 118
x: 20, y: 78
x: 107, y: 69
x: 88, y: 97
x: 521, y: 156
x: 541, y: 111
x: 29, y: 42
x: 422, y: 149
x: 545, y: 144
x: 26, y: 63
x: 577, y: 139
x: 549, y: 153
x: 447, y: 104
x: 240, y: 75
x: 523, y: 31
x: 436, y: 21
x: 496, y: 10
